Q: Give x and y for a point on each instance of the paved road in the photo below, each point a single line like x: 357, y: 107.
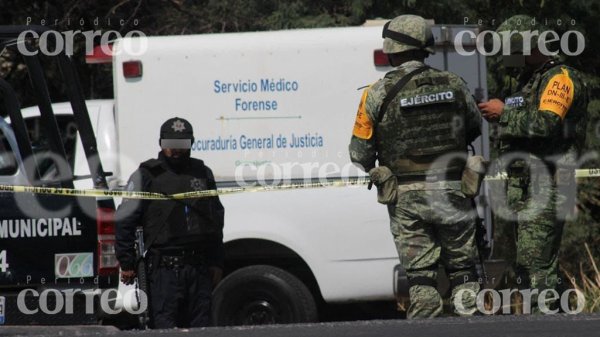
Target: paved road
x: 497, y: 326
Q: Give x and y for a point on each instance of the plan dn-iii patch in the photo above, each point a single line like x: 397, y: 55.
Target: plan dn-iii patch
x: 424, y: 99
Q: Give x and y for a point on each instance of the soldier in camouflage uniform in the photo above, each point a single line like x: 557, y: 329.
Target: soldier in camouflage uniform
x: 541, y: 131
x: 422, y: 138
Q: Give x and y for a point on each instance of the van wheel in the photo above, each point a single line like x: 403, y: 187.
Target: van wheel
x: 262, y: 294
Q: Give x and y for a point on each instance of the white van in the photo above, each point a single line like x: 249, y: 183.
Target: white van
x: 272, y: 108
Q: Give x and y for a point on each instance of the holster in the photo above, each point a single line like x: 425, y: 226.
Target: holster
x: 387, y: 185
x: 473, y: 175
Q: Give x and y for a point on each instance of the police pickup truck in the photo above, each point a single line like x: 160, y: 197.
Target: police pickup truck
x: 57, y: 262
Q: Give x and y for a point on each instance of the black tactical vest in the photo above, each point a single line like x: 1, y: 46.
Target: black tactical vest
x: 423, y: 124
x: 180, y: 222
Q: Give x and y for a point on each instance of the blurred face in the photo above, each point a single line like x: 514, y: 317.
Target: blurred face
x: 518, y: 60
x: 536, y: 58
x: 176, y: 148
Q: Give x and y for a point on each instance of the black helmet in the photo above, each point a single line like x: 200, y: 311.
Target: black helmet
x: 173, y: 131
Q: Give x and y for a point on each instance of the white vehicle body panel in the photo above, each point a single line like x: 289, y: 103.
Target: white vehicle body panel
x: 341, y: 233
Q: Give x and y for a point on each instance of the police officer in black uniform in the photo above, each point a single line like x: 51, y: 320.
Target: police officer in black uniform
x: 183, y: 238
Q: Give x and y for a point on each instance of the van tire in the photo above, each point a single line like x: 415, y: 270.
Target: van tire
x: 262, y: 294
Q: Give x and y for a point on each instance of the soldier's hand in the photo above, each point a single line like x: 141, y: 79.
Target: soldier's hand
x: 127, y: 276
x: 216, y: 274
x: 492, y: 109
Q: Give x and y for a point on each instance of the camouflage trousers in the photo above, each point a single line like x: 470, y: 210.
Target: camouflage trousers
x: 430, y: 227
x: 537, y: 211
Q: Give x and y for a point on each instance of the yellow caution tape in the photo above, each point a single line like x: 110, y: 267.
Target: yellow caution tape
x: 580, y: 173
x: 186, y: 195
x: 82, y: 193
x: 587, y: 173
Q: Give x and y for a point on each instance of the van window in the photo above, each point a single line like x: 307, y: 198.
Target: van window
x: 8, y: 162
x: 39, y: 143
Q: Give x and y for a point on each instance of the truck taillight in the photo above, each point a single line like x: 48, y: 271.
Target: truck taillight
x: 132, y: 69
x: 380, y: 58
x: 100, y: 54
x: 107, y: 258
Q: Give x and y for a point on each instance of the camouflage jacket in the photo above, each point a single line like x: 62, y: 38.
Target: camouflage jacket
x: 366, y: 145
x: 547, y: 117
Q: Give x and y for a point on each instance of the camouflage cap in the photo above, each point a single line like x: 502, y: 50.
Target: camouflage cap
x: 407, y: 32
x: 520, y: 28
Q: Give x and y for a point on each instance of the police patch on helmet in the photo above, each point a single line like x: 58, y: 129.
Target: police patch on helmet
x: 425, y: 99
x: 178, y: 126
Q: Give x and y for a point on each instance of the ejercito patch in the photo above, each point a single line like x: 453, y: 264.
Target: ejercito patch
x: 514, y: 101
x: 558, y: 95
x: 423, y: 99
x: 363, y: 126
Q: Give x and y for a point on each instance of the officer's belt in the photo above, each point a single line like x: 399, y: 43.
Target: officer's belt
x: 448, y: 176
x: 424, y: 186
x: 171, y: 258
x: 178, y: 261
x: 181, y: 252
x: 425, y: 163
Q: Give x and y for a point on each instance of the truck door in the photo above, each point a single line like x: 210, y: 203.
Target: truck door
x: 49, y: 241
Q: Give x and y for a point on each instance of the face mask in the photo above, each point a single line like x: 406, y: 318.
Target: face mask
x: 180, y: 162
x: 513, y: 61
